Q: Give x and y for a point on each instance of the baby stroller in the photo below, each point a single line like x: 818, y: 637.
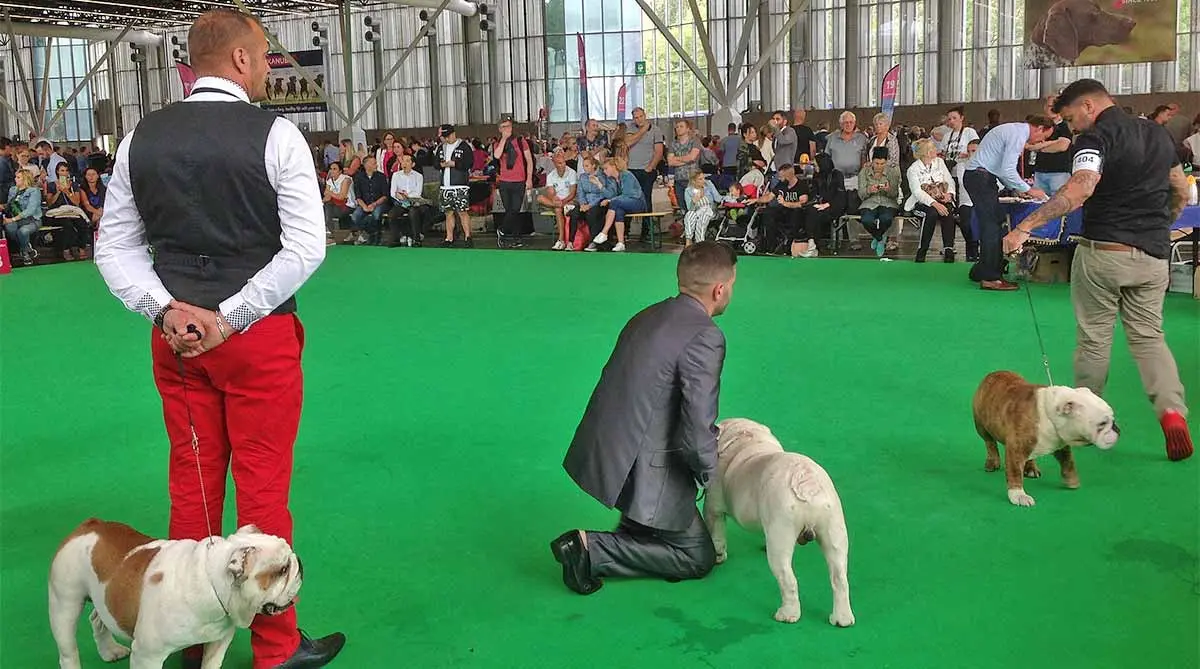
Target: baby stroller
x: 739, y: 227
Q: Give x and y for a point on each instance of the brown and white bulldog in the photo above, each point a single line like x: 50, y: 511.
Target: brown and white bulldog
x: 791, y: 498
x: 1036, y: 420
x: 166, y: 595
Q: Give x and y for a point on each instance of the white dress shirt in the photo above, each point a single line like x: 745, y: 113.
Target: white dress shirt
x: 412, y: 183
x: 1000, y: 151
x: 122, y: 251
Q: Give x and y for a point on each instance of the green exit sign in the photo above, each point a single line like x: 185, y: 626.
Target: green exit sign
x: 639, y: 68
x: 62, y: 103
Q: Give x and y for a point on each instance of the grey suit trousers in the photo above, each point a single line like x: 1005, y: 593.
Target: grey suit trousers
x: 636, y: 550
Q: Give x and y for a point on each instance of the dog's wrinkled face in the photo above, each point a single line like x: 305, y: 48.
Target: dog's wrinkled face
x: 1081, y: 418
x: 266, y: 573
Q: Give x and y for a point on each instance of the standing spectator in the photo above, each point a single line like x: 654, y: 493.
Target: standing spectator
x: 749, y: 156
x: 953, y: 146
x: 785, y: 140
x: 848, y: 150
x: 455, y: 193
x: 993, y: 117
x: 729, y: 152
x: 1052, y: 158
x: 684, y: 157
x: 593, y: 140
x: 806, y: 139
x: 371, y: 198
x: 516, y: 179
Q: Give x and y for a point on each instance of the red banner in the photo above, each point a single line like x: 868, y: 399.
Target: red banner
x: 621, y: 103
x: 187, y: 77
x: 583, y: 92
x: 891, y: 86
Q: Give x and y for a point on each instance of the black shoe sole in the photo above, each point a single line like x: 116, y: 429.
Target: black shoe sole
x: 559, y: 548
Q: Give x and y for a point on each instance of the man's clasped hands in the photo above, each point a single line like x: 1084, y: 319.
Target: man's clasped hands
x: 211, y: 329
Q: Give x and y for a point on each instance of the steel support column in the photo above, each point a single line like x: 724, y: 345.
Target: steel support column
x: 948, y: 38
x: 473, y: 56
x: 114, y: 97
x: 766, y: 53
x: 493, y: 48
x: 766, y: 87
x: 164, y: 77
x: 87, y: 78
x: 702, y: 76
x: 44, y: 98
x: 344, y: 17
x: 12, y: 43
x: 852, y: 49
x: 381, y: 102
x: 1047, y: 81
x: 714, y: 73
x: 1160, y: 77
x: 379, y: 87
x: 743, y: 47
x: 143, y: 75
x: 798, y: 57
x: 435, y: 81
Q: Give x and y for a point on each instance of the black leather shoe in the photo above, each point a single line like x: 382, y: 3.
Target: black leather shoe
x: 314, y: 653
x: 577, y: 573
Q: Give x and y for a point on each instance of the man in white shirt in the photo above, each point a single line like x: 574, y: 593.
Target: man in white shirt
x: 558, y: 195
x: 231, y: 248
x: 407, y: 188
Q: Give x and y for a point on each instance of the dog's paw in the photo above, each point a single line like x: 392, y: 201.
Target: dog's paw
x: 113, y: 652
x: 1020, y: 498
x: 841, y: 619
x: 1032, y: 471
x: 722, y: 556
x: 1071, y: 481
x: 788, y: 614
x: 991, y: 465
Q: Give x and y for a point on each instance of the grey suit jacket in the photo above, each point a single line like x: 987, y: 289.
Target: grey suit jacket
x: 649, y: 436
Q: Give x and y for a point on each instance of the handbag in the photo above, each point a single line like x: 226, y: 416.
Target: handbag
x: 581, y: 236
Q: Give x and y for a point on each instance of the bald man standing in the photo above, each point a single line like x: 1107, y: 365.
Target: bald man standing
x: 226, y: 195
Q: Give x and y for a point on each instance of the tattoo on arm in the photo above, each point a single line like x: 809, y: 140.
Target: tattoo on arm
x: 1069, y: 198
x: 1179, y: 191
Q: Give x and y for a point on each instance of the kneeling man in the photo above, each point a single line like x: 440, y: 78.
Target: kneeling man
x: 648, y: 438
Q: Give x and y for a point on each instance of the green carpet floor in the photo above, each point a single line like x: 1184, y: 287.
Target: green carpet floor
x: 443, y: 388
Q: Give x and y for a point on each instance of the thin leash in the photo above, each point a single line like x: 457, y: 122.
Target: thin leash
x: 1028, y: 272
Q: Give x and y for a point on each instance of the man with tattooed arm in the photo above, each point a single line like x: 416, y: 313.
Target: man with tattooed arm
x: 1127, y: 177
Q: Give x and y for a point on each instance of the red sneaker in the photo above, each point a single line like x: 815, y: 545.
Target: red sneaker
x: 1179, y: 441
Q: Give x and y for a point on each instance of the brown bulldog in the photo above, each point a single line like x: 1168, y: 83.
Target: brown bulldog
x: 1036, y: 420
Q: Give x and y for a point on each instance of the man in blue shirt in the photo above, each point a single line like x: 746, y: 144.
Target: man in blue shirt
x: 996, y: 159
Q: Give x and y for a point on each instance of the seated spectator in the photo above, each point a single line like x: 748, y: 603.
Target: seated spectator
x: 561, y: 182
x: 783, y: 218
x: 827, y: 199
x: 592, y: 186
x: 622, y: 197
x: 879, y: 186
x: 94, y: 192
x: 371, y: 198
x: 62, y: 204
x: 23, y: 214
x: 700, y: 198
x: 932, y: 199
x: 408, y: 187
x: 339, y: 192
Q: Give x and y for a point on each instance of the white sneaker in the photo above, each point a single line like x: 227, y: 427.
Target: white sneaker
x: 811, y: 251
x: 619, y: 247
x: 600, y: 239
x: 568, y: 247
x: 591, y: 247
x: 558, y: 246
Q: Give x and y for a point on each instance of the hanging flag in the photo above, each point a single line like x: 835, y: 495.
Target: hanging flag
x: 583, y: 91
x: 891, y: 86
x: 621, y: 104
x: 187, y: 77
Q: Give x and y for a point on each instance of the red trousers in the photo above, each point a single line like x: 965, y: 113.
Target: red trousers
x: 245, y: 399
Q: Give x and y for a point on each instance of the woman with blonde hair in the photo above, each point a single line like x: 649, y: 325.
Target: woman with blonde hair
x: 931, y: 188
x: 23, y: 214
x: 623, y: 196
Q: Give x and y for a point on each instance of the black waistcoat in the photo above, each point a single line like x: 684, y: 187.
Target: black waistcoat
x: 199, y: 178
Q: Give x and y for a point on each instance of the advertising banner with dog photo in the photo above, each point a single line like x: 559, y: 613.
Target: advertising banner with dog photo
x: 1064, y: 33
x: 291, y: 91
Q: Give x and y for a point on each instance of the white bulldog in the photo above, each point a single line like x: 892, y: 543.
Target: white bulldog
x: 791, y: 498
x: 166, y: 595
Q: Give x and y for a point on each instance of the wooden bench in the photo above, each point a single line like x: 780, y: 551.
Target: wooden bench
x: 651, y: 222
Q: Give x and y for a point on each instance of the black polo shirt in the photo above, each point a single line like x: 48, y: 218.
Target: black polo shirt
x: 1132, y: 201
x: 786, y: 193
x: 1055, y: 162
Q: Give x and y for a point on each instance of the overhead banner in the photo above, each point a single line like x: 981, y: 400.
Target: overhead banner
x: 1065, y: 33
x: 291, y: 91
x: 583, y: 89
x: 888, y: 91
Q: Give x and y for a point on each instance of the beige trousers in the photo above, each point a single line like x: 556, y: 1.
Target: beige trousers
x: 1132, y: 284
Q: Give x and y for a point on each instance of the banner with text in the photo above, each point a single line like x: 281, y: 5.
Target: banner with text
x: 290, y: 91
x: 583, y: 89
x: 889, y: 89
x: 1064, y: 33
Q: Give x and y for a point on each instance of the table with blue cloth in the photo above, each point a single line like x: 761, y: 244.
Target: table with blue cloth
x: 1054, y: 232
